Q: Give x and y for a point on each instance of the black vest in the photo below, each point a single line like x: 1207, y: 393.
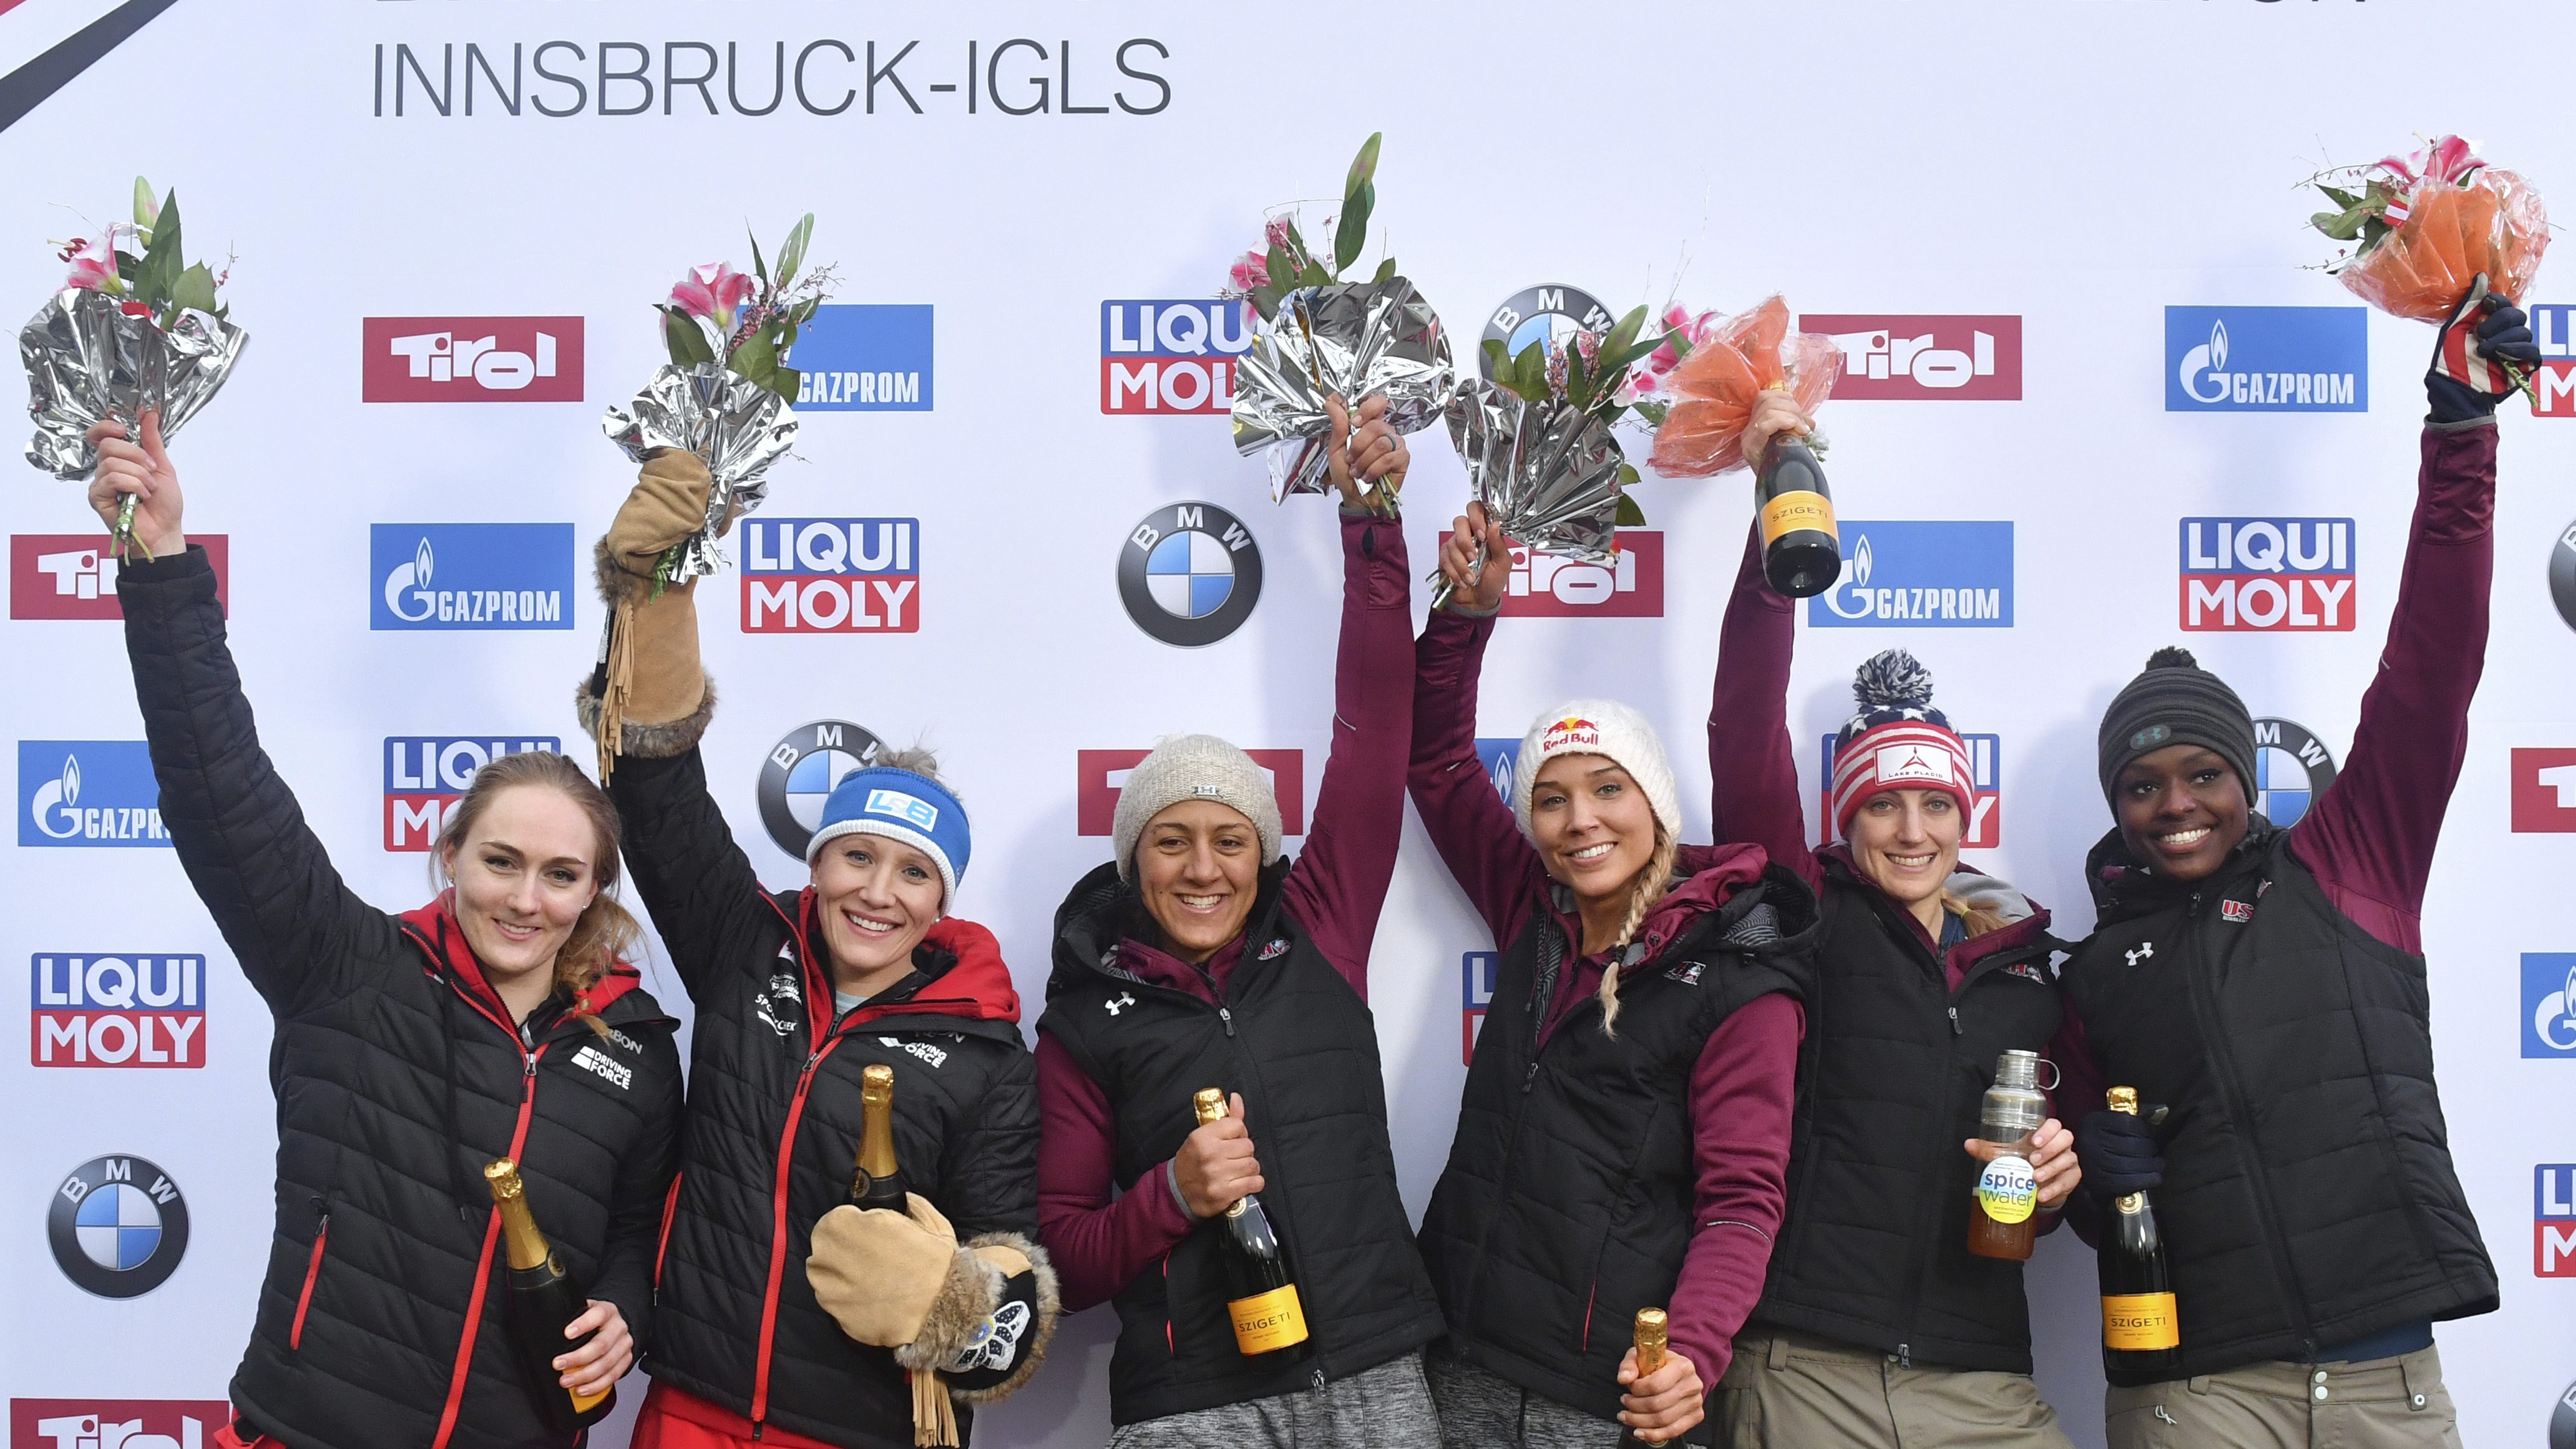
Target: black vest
x: 1874, y: 1251
x: 2308, y: 1195
x: 1568, y: 1201
x: 1301, y: 1046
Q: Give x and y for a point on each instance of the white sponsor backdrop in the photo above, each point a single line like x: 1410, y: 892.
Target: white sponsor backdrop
x: 2080, y: 167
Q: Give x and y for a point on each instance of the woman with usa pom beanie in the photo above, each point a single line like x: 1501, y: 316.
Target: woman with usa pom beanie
x: 1624, y: 1133
x: 789, y: 1316
x: 2262, y: 985
x: 1875, y: 1314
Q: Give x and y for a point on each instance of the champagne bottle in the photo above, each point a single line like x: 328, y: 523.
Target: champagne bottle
x: 2140, y: 1330
x: 1801, y: 554
x: 2001, y: 1219
x: 1651, y: 1343
x: 542, y: 1300
x: 1262, y: 1300
x: 877, y: 1183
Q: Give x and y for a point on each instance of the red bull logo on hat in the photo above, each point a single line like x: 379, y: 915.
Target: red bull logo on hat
x: 1571, y: 732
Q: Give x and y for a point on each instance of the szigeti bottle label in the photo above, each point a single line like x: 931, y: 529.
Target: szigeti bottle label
x: 2008, y: 1190
x: 1793, y: 511
x: 2139, y: 1321
x: 1269, y: 1320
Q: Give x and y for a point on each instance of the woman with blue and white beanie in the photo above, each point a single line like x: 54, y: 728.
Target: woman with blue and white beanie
x: 791, y: 1317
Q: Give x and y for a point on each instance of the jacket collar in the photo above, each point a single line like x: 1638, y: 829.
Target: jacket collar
x: 1095, y: 930
x: 2125, y: 887
x: 2025, y: 921
x: 435, y: 928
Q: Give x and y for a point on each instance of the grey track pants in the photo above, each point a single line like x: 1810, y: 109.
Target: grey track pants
x: 1387, y: 1407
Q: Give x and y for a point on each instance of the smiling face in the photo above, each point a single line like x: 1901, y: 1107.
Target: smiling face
x: 1595, y: 828
x: 2181, y: 810
x: 876, y: 897
x: 1907, y: 841
x: 524, y: 874
x: 1198, y: 867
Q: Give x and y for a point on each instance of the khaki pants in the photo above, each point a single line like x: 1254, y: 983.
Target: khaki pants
x: 2383, y: 1403
x: 1791, y: 1391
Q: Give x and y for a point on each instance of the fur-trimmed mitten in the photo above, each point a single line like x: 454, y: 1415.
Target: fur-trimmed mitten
x: 970, y: 1321
x: 648, y: 696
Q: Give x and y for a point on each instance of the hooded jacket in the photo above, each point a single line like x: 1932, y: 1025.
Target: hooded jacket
x: 398, y: 1074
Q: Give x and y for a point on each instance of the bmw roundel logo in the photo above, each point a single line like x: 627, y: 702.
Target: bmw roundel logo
x: 1550, y: 313
x: 1189, y: 574
x: 2292, y: 768
x: 2562, y: 574
x: 800, y: 772
x: 118, y: 1226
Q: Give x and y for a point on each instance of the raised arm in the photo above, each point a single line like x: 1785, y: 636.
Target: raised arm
x: 296, y: 928
x: 1468, y: 822
x: 1752, y: 763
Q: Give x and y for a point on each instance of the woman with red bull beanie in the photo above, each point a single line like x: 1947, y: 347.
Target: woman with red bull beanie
x: 1875, y: 1315
x: 1625, y: 1126
x: 789, y: 1316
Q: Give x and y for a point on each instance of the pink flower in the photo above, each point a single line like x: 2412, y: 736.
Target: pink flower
x: 2447, y: 159
x: 1249, y: 271
x: 94, y: 266
x: 1276, y: 234
x: 713, y: 291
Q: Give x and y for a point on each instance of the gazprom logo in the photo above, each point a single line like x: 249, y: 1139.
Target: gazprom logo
x: 2267, y: 359
x: 1501, y: 759
x: 88, y: 793
x: 1933, y: 574
x: 470, y: 575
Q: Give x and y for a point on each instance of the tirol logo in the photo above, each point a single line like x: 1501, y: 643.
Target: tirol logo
x: 2544, y: 791
x: 129, y: 1009
x: 2553, y: 326
x: 116, y: 1423
x: 1173, y: 356
x: 2267, y: 359
x: 1985, y: 762
x: 1100, y: 774
x: 73, y: 576
x: 1925, y: 575
x: 864, y: 358
x: 2284, y: 574
x: 470, y: 575
x: 1476, y: 973
x: 2562, y: 574
x: 118, y: 1226
x: 831, y: 576
x: 2292, y: 768
x: 1631, y: 586
x: 2549, y: 1004
x: 1502, y: 760
x: 800, y: 771
x: 1551, y: 313
x: 472, y: 359
x: 1189, y: 574
x: 425, y: 775
x: 2553, y: 1220
x: 88, y: 792
x: 1964, y: 359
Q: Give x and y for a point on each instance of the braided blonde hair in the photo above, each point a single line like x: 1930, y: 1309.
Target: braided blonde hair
x: 1650, y: 886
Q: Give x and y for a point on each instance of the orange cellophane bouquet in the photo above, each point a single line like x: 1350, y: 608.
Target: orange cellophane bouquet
x: 2427, y: 224
x: 1703, y: 382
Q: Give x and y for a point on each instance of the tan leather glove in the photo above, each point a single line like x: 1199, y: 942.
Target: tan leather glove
x: 877, y: 1272
x: 649, y: 678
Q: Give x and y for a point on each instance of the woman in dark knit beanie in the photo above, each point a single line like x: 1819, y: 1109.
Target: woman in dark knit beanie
x: 2263, y: 990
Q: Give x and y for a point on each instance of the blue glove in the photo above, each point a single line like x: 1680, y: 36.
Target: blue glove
x: 2121, y: 1152
x: 2468, y: 377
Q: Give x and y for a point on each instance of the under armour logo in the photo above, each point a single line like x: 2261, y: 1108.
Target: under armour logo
x: 1123, y: 1002
x: 2146, y: 950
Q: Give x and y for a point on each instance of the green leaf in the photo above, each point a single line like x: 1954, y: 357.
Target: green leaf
x: 1298, y: 251
x: 1352, y: 235
x: 1679, y: 341
x: 791, y: 252
x: 1624, y: 332
x: 1497, y: 361
x: 1283, y: 272
x: 1629, y: 515
x: 786, y: 382
x: 1314, y: 275
x: 2372, y: 229
x: 1578, y: 378
x: 1652, y: 412
x: 195, y: 288
x: 1529, y: 372
x: 686, y: 341
x: 1265, y: 300
x: 145, y: 208
x: 159, y: 272
x: 2343, y: 200
x: 1364, y: 165
x: 1608, y: 362
x: 757, y: 359
x: 758, y: 267
x: 1385, y: 270
x: 2342, y: 226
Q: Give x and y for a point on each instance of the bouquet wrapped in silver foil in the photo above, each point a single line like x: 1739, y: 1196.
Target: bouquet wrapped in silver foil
x: 736, y: 426
x: 88, y: 361
x: 1354, y: 340
x: 1547, y: 472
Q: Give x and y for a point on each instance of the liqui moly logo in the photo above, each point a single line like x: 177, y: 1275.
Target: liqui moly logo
x: 1630, y: 586
x: 425, y: 775
x: 472, y: 359
x: 1957, y: 359
x: 1100, y: 774
x: 1985, y: 765
x: 88, y: 793
x: 2553, y: 326
x: 831, y: 576
x: 2553, y: 1220
x: 116, y: 1423
x: 2290, y: 575
x: 1476, y: 973
x: 1175, y: 356
x: 73, y: 576
x: 123, y: 1009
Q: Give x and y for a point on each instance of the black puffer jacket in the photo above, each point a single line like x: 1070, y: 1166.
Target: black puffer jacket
x: 397, y: 1075
x: 774, y: 1117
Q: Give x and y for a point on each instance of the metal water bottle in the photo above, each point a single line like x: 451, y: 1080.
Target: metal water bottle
x: 2000, y: 1219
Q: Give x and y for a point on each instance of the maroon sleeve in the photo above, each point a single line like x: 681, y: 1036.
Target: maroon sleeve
x: 1468, y: 823
x: 1741, y: 1093
x: 1099, y: 1244
x: 2370, y: 838
x: 1338, y: 885
x: 1751, y: 758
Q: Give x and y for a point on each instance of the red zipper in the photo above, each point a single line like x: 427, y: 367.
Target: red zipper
x: 778, y: 1233
x: 312, y: 1272
x: 670, y: 1209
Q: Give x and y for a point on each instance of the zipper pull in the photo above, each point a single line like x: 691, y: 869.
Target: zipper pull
x: 1319, y: 1378
x: 1904, y: 1356
x: 1955, y: 1028
x: 531, y: 1059
x: 1529, y: 1078
x: 1227, y: 1017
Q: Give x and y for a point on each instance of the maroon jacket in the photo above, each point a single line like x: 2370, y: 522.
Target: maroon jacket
x: 1743, y: 1084
x: 1335, y: 889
